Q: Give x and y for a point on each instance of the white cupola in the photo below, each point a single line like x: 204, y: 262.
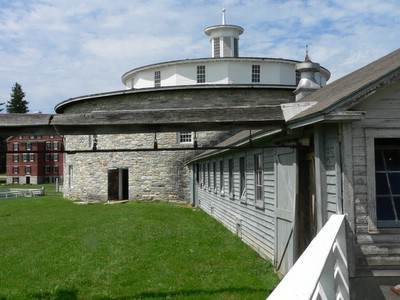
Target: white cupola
x: 224, y: 39
x: 307, y: 83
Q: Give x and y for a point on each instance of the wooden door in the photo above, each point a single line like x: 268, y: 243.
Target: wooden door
x: 113, y: 184
x: 285, y: 217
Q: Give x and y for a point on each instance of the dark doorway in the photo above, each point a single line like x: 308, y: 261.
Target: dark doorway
x: 306, y: 212
x: 28, y: 180
x: 118, y: 184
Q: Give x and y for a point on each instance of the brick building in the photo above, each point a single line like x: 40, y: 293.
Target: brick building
x: 34, y: 159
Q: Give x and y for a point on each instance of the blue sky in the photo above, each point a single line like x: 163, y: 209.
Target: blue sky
x: 58, y: 49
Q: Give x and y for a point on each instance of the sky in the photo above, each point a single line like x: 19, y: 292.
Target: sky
x: 61, y: 49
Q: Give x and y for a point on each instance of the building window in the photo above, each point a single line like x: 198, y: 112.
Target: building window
x: 255, y: 73
x: 235, y: 47
x: 242, y: 171
x: 47, y: 169
x: 28, y: 170
x: 56, y: 145
x: 298, y: 77
x: 55, y: 156
x: 48, y: 157
x: 221, y: 176
x: 29, y: 146
x: 208, y: 176
x: 215, y: 176
x: 48, y: 146
x: 56, y: 169
x: 31, y: 157
x: 16, y: 146
x: 258, y: 178
x: 157, y: 78
x: 15, y: 157
x: 230, y: 176
x: 217, y: 52
x: 25, y: 157
x: 185, y: 137
x: 15, y: 170
x: 15, y: 180
x: 387, y: 179
x: 204, y: 175
x: 201, y: 74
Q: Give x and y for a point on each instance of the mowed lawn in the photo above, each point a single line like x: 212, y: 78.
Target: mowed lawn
x: 51, y: 248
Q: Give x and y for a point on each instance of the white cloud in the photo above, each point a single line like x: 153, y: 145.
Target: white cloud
x: 61, y: 49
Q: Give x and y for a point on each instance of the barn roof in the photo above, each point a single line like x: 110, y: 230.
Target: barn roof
x: 349, y: 90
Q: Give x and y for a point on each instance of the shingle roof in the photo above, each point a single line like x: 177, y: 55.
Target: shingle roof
x: 345, y: 88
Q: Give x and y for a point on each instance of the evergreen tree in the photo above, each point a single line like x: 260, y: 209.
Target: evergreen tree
x: 17, y: 103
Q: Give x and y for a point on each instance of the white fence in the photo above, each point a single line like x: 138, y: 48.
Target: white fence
x: 10, y: 194
x: 321, y: 271
x: 14, y: 193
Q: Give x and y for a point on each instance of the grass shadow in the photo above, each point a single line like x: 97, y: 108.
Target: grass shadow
x: 238, y: 293
x: 59, y: 294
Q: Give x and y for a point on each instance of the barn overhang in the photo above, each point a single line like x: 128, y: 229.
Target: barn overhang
x: 144, y: 121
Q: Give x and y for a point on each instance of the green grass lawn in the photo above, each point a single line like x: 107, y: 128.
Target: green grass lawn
x: 51, y: 248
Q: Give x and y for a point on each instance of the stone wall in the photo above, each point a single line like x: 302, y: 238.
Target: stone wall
x: 153, y: 175
x: 160, y: 175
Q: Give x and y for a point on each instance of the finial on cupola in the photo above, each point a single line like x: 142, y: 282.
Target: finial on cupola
x: 223, y: 16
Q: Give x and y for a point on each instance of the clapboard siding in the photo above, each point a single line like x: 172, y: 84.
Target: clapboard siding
x: 376, y: 248
x: 252, y: 223
x: 331, y: 168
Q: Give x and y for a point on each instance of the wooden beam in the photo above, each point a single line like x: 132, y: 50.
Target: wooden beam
x: 141, y: 121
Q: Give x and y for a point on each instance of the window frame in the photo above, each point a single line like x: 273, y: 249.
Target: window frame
x: 235, y: 47
x: 255, y: 73
x: 259, y: 179
x: 214, y: 176
x: 231, y: 178
x: 157, y: 78
x: 370, y: 135
x: 15, y: 170
x: 221, y: 177
x: 217, y: 47
x: 201, y: 74
x: 185, y: 137
x: 242, y: 179
x: 28, y: 170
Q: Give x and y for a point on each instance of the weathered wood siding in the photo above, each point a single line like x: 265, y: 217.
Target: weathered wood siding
x: 375, y: 248
x: 332, y: 168
x: 253, y: 223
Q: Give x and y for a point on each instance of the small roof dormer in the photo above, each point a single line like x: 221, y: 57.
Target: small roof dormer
x: 224, y: 38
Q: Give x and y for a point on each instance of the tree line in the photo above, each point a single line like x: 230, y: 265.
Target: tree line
x: 16, y: 104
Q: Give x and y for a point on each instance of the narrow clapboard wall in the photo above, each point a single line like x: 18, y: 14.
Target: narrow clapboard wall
x: 333, y: 170
x: 254, y: 224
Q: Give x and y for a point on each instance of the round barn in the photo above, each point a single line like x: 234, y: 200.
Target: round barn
x: 150, y: 164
